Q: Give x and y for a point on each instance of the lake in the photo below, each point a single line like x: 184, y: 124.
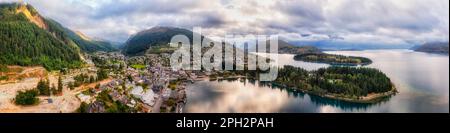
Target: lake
x: 422, y: 80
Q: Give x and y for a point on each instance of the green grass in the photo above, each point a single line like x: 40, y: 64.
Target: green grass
x: 138, y: 66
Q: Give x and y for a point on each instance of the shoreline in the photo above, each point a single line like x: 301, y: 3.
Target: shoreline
x: 336, y: 64
x: 369, y: 99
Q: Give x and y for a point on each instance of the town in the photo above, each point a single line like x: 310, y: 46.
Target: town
x: 134, y: 87
x: 108, y: 83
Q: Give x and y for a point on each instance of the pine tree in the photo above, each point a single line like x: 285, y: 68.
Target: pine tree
x: 60, y: 85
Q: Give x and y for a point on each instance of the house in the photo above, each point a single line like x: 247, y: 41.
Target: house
x: 124, y: 99
x: 115, y: 95
x: 157, y: 87
x: 149, y: 98
x: 132, y: 103
x: 166, y: 93
x: 137, y: 91
x: 84, y: 98
x: 96, y: 107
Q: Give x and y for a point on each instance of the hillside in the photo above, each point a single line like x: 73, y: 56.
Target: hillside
x: 434, y: 47
x: 28, y: 39
x: 286, y: 48
x: 159, y: 37
x: 313, y: 54
x: 89, y: 45
x: 82, y: 41
x: 156, y: 38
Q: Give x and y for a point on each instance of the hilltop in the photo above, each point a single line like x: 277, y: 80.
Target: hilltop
x: 156, y: 39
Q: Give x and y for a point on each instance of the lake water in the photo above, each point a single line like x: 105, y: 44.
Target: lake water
x: 421, y: 78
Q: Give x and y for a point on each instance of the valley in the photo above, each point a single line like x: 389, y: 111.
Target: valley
x: 46, y: 67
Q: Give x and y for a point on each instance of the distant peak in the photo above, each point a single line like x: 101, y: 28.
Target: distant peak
x: 160, y: 29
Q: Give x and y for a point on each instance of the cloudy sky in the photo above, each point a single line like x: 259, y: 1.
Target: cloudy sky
x: 393, y: 22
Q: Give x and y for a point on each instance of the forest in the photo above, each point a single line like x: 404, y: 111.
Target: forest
x: 342, y: 81
x: 24, y: 43
x: 54, y: 47
x: 354, y: 82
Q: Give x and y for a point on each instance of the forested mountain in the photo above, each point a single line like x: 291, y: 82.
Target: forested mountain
x: 286, y: 48
x: 152, y: 38
x: 84, y: 43
x: 434, y: 47
x: 27, y: 38
x: 160, y: 37
x: 89, y: 45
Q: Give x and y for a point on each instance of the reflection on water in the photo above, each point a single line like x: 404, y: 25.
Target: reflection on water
x: 233, y: 96
x: 422, y: 79
x: 252, y: 96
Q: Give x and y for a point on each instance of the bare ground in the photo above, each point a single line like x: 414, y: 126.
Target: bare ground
x: 65, y: 103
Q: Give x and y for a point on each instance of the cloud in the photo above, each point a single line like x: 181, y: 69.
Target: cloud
x: 353, y: 21
x: 122, y: 8
x: 382, y: 21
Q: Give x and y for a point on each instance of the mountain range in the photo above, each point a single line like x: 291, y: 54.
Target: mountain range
x: 158, y: 37
x: 331, y: 44
x: 28, y: 38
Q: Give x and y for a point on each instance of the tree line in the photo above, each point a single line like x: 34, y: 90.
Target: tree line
x: 84, y: 78
x: 351, y: 82
x: 29, y: 97
x: 347, y: 81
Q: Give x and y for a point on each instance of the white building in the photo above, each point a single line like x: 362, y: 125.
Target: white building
x: 148, y: 97
x: 84, y: 98
x: 166, y: 93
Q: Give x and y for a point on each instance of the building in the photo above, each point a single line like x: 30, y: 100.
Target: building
x: 84, y: 98
x: 148, y: 97
x: 166, y: 93
x: 96, y: 107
